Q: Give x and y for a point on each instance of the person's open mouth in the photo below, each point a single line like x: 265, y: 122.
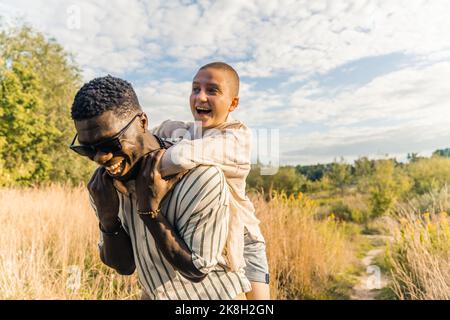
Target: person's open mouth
x: 203, y: 110
x: 117, y: 168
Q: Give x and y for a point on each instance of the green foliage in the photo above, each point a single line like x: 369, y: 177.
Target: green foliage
x: 23, y: 128
x: 429, y: 174
x: 386, y: 186
x: 442, y: 152
x: 367, y: 189
x: 255, y: 181
x: 363, y: 170
x: 286, y: 179
x: 314, y: 172
x: 341, y: 211
x: 324, y: 184
x: 340, y: 174
x: 38, y: 81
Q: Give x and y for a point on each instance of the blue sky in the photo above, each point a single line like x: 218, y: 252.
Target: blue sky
x: 336, y: 78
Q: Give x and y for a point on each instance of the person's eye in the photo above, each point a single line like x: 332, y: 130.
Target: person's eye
x: 195, y: 89
x: 213, y: 90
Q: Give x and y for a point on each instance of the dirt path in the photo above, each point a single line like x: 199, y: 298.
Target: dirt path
x: 372, y: 280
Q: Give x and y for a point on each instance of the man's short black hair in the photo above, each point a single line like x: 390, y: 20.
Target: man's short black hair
x: 105, y: 94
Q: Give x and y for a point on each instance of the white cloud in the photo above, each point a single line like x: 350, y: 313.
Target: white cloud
x: 105, y: 41
x: 262, y: 38
x: 404, y: 111
x: 163, y: 100
x: 410, y: 94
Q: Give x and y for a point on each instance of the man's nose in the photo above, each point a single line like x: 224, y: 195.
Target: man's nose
x: 102, y: 157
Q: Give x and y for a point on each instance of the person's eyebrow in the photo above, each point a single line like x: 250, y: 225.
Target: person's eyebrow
x: 214, y: 86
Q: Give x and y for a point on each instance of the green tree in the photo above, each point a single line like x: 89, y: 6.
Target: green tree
x: 363, y: 170
x: 314, y: 172
x: 255, y: 180
x: 429, y: 174
x: 442, y: 152
x: 386, y: 186
x: 23, y: 128
x: 57, y: 78
x: 287, y: 179
x: 340, y: 174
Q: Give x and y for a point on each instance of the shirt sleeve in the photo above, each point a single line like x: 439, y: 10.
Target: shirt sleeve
x: 94, y: 207
x: 229, y: 149
x: 203, y: 215
x: 170, y: 129
x: 121, y: 216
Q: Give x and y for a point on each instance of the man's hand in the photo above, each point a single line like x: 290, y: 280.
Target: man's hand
x: 102, y: 190
x: 151, y: 188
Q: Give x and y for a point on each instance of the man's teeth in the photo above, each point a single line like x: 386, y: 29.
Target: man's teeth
x: 203, y: 109
x: 114, y: 169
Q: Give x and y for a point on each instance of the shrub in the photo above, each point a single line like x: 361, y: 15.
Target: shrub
x: 420, y: 253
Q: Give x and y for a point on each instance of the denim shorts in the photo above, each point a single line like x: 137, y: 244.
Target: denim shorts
x: 256, y: 269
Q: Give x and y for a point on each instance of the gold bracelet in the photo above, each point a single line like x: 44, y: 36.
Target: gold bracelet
x: 152, y: 213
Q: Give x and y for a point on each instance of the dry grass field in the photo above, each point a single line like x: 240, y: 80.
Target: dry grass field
x: 48, y: 245
x: 419, y: 257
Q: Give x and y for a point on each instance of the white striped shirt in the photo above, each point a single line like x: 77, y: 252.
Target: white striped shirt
x: 198, y: 209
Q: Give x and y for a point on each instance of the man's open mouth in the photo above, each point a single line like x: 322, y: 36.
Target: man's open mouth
x: 201, y: 110
x: 117, y: 168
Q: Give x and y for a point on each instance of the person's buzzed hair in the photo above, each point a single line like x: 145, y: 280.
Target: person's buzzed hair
x: 229, y: 69
x: 105, y: 94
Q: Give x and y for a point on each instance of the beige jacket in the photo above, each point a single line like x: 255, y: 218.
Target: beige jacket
x: 228, y: 147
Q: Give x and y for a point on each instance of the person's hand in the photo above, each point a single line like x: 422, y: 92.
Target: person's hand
x: 151, y: 188
x: 105, y: 197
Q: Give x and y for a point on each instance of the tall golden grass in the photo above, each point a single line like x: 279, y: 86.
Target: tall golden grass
x: 49, y: 235
x: 419, y: 256
x: 48, y: 241
x: 306, y: 256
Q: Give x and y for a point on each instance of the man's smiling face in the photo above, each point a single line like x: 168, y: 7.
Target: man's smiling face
x: 212, y: 98
x: 99, y: 128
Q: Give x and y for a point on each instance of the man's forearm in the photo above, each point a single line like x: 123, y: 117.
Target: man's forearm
x: 172, y: 247
x: 117, y: 252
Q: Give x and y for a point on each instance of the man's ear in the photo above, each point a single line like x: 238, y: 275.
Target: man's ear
x: 143, y: 121
x: 234, y: 104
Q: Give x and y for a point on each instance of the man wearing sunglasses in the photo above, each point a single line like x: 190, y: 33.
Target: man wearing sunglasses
x: 173, y: 232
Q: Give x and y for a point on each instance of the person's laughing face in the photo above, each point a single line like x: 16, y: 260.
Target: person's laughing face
x: 118, y: 160
x: 212, y: 98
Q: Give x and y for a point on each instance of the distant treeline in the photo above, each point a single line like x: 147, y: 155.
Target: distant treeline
x: 424, y: 174
x: 382, y: 182
x: 317, y: 171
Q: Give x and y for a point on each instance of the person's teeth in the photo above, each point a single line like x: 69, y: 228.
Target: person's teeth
x: 115, y: 168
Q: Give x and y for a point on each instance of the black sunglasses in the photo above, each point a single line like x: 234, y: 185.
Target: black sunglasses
x: 109, y: 145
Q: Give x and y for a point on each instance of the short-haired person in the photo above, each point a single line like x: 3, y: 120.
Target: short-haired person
x: 226, y: 143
